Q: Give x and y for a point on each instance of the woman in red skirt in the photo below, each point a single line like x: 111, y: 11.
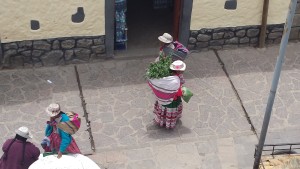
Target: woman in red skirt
x: 57, y: 140
x: 167, y: 115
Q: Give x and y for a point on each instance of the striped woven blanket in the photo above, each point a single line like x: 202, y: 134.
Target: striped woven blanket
x: 165, y: 88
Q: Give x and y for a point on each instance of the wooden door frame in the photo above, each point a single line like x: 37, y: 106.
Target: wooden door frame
x: 177, y: 10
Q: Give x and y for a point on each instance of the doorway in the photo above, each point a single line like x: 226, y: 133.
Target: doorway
x: 148, y: 19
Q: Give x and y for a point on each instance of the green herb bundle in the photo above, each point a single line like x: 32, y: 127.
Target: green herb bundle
x: 159, y: 69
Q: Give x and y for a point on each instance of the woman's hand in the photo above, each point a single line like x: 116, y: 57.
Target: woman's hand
x: 59, y: 155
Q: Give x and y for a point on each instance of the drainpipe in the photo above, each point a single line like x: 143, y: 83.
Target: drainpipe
x: 276, y: 75
x: 263, y: 28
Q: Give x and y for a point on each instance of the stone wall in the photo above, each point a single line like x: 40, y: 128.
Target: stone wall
x: 51, y: 52
x: 233, y: 37
x: 295, y: 31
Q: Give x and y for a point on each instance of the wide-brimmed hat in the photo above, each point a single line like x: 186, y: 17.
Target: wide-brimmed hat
x: 166, y: 38
x: 23, y: 132
x: 53, y: 109
x: 178, y: 65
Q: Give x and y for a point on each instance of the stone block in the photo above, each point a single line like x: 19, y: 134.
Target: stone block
x: 192, y: 40
x: 10, y: 52
x: 25, y: 44
x: 8, y: 46
x: 68, y: 44
x: 69, y: 54
x: 37, y: 53
x: 194, y: 33
x: 277, y: 30
x: 234, y: 40
x: 41, y: 45
x: 205, y: 31
x: 244, y: 40
x: 84, y: 43
x: 52, y: 58
x: 56, y: 45
x: 82, y: 54
x: 98, y: 49
x: 202, y: 44
x: 26, y: 53
x: 240, y: 33
x: 296, y: 21
x: 252, y: 32
x: 216, y: 42
x: 203, y: 38
x: 275, y: 35
x: 37, y: 62
x: 228, y: 35
x: 295, y: 33
x: 99, y: 41
x: 253, y: 40
x: 219, y: 35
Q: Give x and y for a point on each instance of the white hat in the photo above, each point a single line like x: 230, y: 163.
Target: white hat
x: 166, y: 38
x: 23, y: 132
x: 53, y: 109
x: 178, y: 65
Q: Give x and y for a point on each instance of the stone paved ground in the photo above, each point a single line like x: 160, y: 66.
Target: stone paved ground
x: 251, y: 72
x: 24, y: 95
x: 213, y: 132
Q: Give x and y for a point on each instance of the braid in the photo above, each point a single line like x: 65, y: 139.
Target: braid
x: 6, y: 152
x: 23, y: 153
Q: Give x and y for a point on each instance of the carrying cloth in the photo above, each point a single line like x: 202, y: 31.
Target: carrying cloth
x: 165, y: 88
x: 180, y: 52
x: 72, y: 126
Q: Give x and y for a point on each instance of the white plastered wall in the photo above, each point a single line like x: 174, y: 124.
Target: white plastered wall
x: 211, y: 13
x: 54, y: 17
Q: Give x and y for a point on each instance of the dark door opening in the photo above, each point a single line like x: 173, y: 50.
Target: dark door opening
x: 148, y: 19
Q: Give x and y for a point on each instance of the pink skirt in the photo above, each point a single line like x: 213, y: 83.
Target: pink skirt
x: 167, y: 116
x: 55, y: 141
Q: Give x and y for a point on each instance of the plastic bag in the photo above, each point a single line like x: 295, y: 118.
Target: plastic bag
x: 187, y: 94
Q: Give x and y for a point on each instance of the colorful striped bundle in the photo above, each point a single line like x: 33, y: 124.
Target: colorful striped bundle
x: 165, y: 88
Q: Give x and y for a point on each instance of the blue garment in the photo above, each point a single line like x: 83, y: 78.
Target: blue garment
x: 65, y: 137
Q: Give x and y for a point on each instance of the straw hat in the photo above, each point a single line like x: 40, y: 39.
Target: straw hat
x: 166, y: 38
x: 23, y: 132
x: 53, y: 109
x: 178, y: 65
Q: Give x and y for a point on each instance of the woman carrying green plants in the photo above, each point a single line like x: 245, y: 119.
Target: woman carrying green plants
x: 168, y: 107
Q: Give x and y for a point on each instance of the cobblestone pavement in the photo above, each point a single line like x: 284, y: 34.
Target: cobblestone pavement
x: 251, y: 72
x: 213, y: 132
x: 120, y: 104
x: 24, y: 95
